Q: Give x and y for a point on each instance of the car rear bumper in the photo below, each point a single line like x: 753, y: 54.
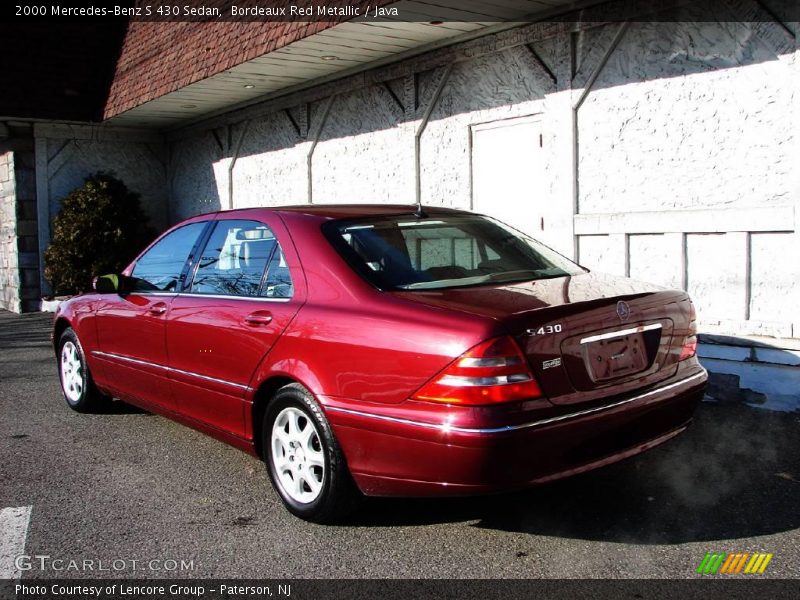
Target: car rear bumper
x: 391, y: 453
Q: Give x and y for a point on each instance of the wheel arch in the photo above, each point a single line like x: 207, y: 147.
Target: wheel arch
x: 264, y: 395
x: 61, y: 324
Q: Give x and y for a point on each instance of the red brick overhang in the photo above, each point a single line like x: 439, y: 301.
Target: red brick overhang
x: 161, y: 57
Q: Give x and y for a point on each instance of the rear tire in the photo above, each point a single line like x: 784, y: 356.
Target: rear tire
x: 77, y: 385
x: 304, y: 460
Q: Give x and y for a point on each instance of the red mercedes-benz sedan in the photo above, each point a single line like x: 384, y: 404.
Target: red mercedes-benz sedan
x: 383, y: 350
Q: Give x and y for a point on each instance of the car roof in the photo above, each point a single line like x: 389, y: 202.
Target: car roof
x: 347, y: 211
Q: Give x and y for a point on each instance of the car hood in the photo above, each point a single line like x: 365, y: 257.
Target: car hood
x: 502, y: 301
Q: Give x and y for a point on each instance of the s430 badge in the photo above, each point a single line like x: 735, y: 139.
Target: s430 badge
x: 544, y: 329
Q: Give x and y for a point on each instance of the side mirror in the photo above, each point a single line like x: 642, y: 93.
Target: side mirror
x: 109, y: 284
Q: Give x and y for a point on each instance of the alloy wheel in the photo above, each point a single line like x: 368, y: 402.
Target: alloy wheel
x: 71, y: 372
x: 297, y: 455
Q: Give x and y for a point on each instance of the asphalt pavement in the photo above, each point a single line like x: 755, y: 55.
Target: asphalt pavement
x: 165, y: 501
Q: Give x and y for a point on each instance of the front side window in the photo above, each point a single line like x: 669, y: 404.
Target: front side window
x: 159, y: 269
x: 407, y: 253
x: 235, y: 260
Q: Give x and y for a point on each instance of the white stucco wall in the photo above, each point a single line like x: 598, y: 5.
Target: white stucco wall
x: 697, y: 115
x: 490, y: 88
x: 667, y: 157
x: 365, y: 152
x: 138, y: 165
x: 271, y: 166
x: 66, y: 154
x: 193, y: 177
x: 692, y: 114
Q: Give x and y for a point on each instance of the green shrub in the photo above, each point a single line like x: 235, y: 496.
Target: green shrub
x: 100, y: 229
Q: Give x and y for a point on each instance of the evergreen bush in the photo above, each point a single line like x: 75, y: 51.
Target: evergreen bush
x: 100, y: 229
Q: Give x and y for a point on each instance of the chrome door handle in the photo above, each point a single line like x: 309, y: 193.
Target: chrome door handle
x: 258, y: 318
x: 157, y: 309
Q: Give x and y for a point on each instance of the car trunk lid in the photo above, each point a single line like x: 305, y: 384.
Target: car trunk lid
x: 586, y: 337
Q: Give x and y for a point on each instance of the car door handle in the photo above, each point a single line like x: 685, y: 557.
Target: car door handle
x: 159, y: 308
x: 261, y: 317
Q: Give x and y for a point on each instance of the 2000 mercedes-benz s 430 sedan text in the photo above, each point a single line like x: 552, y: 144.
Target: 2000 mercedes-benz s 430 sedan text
x: 382, y: 350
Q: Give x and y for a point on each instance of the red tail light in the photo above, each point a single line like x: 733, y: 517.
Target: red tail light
x: 690, y: 343
x: 493, y: 371
x: 689, y: 348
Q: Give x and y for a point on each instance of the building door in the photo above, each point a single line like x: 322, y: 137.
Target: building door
x: 507, y: 174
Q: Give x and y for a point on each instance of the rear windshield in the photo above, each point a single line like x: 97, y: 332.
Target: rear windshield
x: 410, y: 253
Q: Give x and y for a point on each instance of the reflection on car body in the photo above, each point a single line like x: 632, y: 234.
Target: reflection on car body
x: 372, y: 350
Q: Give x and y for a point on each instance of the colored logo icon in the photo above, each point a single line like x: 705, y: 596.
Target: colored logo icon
x: 720, y: 563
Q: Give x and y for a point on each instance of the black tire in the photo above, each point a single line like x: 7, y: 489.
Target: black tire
x: 337, y: 496
x: 80, y: 393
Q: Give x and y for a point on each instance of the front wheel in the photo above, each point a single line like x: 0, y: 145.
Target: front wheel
x: 76, y: 381
x: 304, y: 460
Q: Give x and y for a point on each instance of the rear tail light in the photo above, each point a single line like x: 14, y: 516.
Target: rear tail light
x: 491, y: 372
x: 690, y: 342
x: 689, y: 348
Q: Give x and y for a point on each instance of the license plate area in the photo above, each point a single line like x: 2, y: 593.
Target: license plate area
x: 618, y: 354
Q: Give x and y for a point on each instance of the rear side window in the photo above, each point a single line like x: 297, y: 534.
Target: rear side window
x: 159, y: 269
x: 407, y: 253
x: 235, y: 259
x: 278, y: 283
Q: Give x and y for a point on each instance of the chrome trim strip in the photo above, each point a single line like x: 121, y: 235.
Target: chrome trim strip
x: 167, y: 369
x: 359, y: 413
x: 613, y: 334
x: 231, y: 297
x: 219, y: 296
x: 207, y: 378
x: 445, y: 427
x: 464, y: 381
x: 129, y: 359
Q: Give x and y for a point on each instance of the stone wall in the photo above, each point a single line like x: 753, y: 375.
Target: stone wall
x: 19, y: 263
x: 9, y: 266
x: 667, y: 152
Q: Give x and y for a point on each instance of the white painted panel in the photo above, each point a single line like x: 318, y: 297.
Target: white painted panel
x: 342, y: 50
x: 604, y: 253
x: 774, y: 277
x: 716, y: 275
x: 656, y: 259
x: 708, y: 220
x: 308, y: 57
x: 406, y: 31
x: 355, y: 32
x: 444, y: 30
x: 507, y: 180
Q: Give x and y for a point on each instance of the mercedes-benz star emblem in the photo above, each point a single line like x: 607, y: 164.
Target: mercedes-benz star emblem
x: 623, y: 310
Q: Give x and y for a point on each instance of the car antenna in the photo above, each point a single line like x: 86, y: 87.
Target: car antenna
x: 420, y: 213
